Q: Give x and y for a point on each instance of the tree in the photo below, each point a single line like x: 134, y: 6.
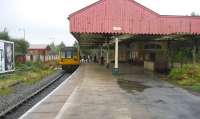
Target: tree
x: 4, y: 35
x: 53, y: 47
x: 59, y: 47
x: 76, y: 44
x: 194, y: 14
x: 21, y: 46
x: 62, y: 45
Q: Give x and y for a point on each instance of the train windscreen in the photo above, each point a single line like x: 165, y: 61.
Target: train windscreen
x: 67, y: 54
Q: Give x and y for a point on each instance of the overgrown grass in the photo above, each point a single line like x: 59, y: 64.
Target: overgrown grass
x: 6, y: 91
x: 28, y: 74
x: 187, y: 76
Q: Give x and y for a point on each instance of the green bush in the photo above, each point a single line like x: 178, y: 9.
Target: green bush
x: 196, y: 87
x: 185, y: 72
x: 187, y: 75
x: 188, y: 82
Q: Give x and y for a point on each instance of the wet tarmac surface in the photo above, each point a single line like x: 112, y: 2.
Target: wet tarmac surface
x: 156, y: 98
x: 131, y: 86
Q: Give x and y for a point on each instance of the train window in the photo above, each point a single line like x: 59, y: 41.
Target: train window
x: 67, y: 54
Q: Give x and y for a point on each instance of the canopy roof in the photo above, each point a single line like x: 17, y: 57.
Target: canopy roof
x: 129, y: 17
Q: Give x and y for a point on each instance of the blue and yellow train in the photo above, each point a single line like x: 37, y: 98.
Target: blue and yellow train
x: 69, y: 58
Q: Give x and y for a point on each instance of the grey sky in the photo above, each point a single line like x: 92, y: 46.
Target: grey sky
x: 46, y: 21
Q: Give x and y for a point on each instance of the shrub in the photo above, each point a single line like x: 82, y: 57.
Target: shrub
x: 188, y: 82
x: 185, y: 72
x: 188, y: 75
x: 196, y: 87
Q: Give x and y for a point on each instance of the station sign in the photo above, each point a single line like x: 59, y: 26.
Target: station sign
x: 117, y: 28
x: 7, y: 63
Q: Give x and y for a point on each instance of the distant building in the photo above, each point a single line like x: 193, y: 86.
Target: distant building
x: 40, y: 52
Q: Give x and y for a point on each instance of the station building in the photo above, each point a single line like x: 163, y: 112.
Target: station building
x: 126, y: 31
x: 40, y: 52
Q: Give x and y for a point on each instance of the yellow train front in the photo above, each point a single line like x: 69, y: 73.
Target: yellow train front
x: 69, y: 58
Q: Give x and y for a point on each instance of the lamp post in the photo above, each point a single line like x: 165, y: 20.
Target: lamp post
x: 24, y: 32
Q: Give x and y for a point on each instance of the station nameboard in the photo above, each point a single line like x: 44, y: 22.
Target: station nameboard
x: 7, y: 62
x: 117, y: 28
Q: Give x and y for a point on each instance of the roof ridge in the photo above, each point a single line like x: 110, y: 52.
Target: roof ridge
x: 100, y: 1
x: 146, y: 8
x: 84, y: 8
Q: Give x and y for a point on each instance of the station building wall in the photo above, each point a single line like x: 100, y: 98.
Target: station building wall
x: 152, y: 58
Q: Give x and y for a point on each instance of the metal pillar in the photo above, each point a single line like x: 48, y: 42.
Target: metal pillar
x: 115, y: 70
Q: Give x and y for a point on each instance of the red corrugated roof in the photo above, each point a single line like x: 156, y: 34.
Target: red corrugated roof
x: 131, y: 17
x: 85, y: 8
x: 38, y: 47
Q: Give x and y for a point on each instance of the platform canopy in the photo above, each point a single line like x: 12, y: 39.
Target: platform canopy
x: 100, y: 21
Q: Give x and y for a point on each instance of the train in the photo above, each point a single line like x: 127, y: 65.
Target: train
x: 69, y: 58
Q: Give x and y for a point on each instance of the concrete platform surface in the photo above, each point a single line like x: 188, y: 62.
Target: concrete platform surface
x: 49, y: 107
x: 134, y: 94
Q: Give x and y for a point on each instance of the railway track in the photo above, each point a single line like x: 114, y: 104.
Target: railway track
x: 13, y: 111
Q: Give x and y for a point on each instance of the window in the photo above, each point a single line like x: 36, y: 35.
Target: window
x: 67, y: 54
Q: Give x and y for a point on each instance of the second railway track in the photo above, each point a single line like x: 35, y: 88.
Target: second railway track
x: 22, y: 106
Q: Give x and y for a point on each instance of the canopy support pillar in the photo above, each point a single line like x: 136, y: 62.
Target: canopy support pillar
x: 115, y: 70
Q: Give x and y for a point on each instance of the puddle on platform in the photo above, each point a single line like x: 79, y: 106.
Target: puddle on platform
x: 160, y: 102
x: 131, y: 86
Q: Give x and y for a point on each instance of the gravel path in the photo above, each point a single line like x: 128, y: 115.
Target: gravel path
x: 22, y: 91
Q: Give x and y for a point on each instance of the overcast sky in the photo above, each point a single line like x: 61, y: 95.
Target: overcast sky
x: 46, y: 21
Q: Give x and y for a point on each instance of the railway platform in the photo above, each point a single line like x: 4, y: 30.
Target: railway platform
x: 50, y: 106
x: 94, y: 93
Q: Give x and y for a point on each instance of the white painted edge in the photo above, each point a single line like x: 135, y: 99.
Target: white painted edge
x: 40, y: 102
